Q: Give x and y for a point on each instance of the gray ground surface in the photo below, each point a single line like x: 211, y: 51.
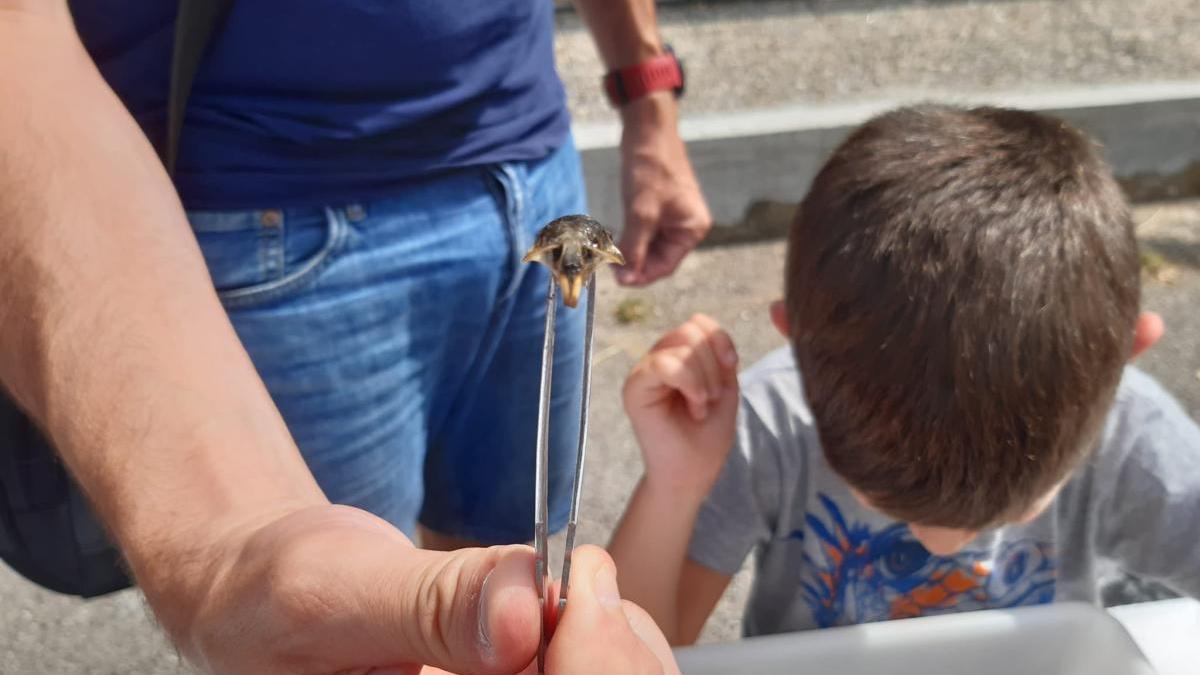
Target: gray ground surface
x: 44, y: 633
x: 769, y: 53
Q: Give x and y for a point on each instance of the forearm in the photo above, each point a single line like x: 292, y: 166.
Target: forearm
x: 625, y: 31
x: 110, y: 333
x: 649, y: 547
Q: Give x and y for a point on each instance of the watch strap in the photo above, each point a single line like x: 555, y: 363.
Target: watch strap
x: 662, y: 72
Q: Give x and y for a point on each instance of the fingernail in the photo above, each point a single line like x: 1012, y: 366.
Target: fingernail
x: 729, y: 357
x: 605, y: 586
x: 486, y: 648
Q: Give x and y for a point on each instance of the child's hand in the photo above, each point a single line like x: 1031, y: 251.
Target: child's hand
x: 682, y: 399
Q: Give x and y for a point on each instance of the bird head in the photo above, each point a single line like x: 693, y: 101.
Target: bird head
x: 572, y: 247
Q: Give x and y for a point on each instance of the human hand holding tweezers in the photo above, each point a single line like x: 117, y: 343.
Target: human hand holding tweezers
x: 572, y: 247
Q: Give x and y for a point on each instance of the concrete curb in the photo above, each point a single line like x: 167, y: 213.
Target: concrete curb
x: 752, y: 164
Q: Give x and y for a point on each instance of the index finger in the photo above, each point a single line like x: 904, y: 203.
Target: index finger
x: 646, y: 630
x: 721, y: 344
x: 594, y: 635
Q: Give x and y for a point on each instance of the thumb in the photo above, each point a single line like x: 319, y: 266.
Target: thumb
x: 469, y: 611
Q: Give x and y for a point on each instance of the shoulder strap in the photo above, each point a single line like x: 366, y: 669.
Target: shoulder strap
x: 194, y: 26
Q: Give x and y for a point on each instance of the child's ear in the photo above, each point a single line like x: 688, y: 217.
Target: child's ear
x: 1148, y: 329
x: 780, y: 319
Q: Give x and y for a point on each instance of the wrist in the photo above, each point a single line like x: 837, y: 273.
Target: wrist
x: 184, y: 573
x: 181, y: 537
x: 656, y: 110
x: 682, y: 490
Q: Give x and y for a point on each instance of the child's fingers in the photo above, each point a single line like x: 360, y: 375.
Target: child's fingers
x: 722, y: 346
x: 703, y: 358
x: 672, y: 368
x: 680, y: 335
x: 698, y: 360
x: 684, y: 333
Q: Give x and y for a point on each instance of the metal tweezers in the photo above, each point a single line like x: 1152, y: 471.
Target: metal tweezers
x: 541, y: 483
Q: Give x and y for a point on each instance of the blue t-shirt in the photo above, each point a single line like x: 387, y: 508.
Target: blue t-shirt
x: 328, y: 101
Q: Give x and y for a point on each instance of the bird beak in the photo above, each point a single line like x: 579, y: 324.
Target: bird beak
x: 535, y: 254
x: 611, y: 254
x: 572, y: 287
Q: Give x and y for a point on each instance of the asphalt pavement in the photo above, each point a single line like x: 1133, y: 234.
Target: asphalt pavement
x: 768, y: 53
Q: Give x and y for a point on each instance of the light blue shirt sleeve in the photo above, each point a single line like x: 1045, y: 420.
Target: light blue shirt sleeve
x: 1148, y: 496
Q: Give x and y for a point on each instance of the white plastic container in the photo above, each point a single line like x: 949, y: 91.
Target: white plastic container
x: 1167, y: 632
x: 1055, y: 639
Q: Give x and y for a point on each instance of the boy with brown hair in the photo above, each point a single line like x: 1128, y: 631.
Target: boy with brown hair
x: 954, y: 426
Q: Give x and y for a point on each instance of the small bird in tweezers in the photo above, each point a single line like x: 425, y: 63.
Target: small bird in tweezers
x: 573, y: 247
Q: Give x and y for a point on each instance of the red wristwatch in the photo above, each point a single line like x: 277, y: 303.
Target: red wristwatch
x: 664, y: 71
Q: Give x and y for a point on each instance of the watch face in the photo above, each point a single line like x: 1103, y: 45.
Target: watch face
x: 682, y: 71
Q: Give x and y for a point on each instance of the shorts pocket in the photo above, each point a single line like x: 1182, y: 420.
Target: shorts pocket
x: 256, y: 257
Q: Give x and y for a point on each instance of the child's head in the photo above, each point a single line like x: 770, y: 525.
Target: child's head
x: 962, y: 288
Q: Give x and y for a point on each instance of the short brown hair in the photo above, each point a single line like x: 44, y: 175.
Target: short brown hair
x: 962, y: 287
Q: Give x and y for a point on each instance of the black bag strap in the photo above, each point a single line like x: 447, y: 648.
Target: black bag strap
x: 195, y: 24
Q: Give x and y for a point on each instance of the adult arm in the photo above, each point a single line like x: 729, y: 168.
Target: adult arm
x: 665, y: 213
x: 112, y: 338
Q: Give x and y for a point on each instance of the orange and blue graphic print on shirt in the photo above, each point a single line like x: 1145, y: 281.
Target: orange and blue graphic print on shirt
x: 867, y: 575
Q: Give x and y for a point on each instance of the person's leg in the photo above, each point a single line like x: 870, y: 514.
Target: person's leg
x: 359, y: 319
x: 480, y: 470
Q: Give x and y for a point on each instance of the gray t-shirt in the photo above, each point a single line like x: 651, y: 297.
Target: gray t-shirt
x: 825, y: 560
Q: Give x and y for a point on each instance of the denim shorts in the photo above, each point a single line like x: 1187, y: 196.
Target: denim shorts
x: 401, y: 340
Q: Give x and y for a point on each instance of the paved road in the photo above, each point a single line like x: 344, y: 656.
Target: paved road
x: 44, y: 633
x: 765, y: 53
